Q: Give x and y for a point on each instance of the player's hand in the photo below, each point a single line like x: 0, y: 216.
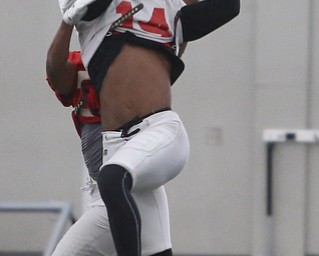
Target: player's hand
x: 76, y: 11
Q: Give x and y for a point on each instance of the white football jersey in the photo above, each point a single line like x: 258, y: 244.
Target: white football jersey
x: 155, y: 21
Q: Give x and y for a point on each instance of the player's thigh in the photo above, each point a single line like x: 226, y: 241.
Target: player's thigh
x: 89, y: 236
x: 157, y: 155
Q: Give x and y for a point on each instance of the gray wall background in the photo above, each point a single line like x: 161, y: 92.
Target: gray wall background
x: 260, y: 71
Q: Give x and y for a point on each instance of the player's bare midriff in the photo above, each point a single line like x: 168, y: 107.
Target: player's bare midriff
x: 137, y: 83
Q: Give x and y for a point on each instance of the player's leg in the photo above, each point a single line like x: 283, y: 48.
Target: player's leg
x: 115, y: 184
x: 156, y: 154
x: 152, y: 156
x: 89, y: 236
x: 125, y: 219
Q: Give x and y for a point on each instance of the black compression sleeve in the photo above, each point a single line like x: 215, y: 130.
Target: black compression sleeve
x: 114, y: 183
x: 168, y: 252
x: 200, y: 19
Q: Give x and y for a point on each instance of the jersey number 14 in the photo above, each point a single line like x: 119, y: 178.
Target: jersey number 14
x: 156, y: 25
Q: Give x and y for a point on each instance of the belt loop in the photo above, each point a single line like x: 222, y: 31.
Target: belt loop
x: 125, y: 133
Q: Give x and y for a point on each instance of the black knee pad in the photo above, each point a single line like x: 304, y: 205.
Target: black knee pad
x: 112, y: 179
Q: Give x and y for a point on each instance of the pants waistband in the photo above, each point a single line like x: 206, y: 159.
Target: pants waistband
x: 136, y: 120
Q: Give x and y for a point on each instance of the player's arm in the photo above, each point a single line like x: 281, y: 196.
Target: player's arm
x: 61, y: 74
x: 201, y: 18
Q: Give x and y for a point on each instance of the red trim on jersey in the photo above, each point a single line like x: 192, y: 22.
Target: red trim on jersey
x: 75, y: 58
